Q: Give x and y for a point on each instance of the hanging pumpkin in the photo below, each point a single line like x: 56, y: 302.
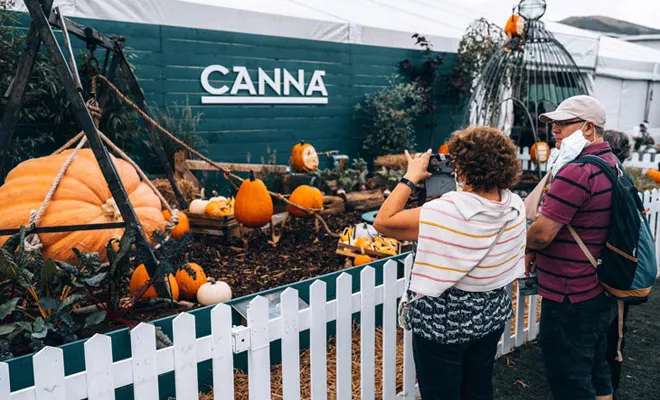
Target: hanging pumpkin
x: 198, y: 206
x: 188, y: 285
x: 213, y: 293
x: 82, y: 197
x: 539, y: 152
x: 253, y: 206
x: 141, y: 276
x: 304, y: 157
x: 305, y: 196
x: 361, y: 259
x: 181, y: 228
x: 444, y: 149
x: 220, y: 208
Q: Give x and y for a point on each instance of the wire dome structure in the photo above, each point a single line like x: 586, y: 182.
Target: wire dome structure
x: 531, y: 74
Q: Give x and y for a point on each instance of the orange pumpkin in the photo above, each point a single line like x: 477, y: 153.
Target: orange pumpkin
x: 82, y: 197
x: 304, y: 157
x: 305, y: 196
x: 181, y: 228
x: 219, y: 208
x: 361, y: 259
x: 515, y: 25
x: 444, y: 149
x: 654, y: 175
x: 363, y: 242
x: 188, y: 286
x: 253, y: 206
x: 140, y: 277
x: 539, y: 152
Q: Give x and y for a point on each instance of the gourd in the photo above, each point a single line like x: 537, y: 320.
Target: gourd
x: 140, y: 277
x: 198, y: 206
x: 654, y: 175
x: 188, y: 286
x: 365, y: 230
x: 305, y: 196
x: 213, y: 293
x: 220, y: 208
x: 82, y: 197
x: 181, y: 228
x: 304, y: 157
x: 253, y: 206
x: 539, y: 152
x: 361, y: 259
x: 363, y: 242
x: 444, y: 149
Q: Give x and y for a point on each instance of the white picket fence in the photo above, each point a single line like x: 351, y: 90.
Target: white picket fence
x: 637, y: 160
x: 102, y: 376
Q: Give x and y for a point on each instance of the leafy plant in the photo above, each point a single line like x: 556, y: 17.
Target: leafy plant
x: 388, y: 177
x: 349, y: 179
x: 183, y: 123
x: 390, y: 115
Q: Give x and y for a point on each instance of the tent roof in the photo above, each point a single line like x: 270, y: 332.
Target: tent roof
x: 389, y: 23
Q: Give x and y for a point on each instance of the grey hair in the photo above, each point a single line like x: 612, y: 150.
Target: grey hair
x: 619, y: 142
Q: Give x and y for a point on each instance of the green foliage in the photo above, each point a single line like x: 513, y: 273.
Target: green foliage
x: 182, y: 122
x: 390, y: 115
x: 389, y: 177
x: 349, y: 179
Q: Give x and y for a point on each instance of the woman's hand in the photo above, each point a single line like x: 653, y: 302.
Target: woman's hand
x: 417, y: 166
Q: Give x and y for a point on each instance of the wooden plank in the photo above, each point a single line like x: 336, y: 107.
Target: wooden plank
x: 185, y: 359
x: 344, y: 336
x: 259, y: 353
x: 409, y: 376
x: 389, y: 330
x: 318, y: 343
x: 200, y: 165
x: 99, y: 368
x: 48, y: 365
x: 290, y: 345
x: 222, y: 353
x: 5, y: 386
x: 144, y: 360
x: 367, y: 333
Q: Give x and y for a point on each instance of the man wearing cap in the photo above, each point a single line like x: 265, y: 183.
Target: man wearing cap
x: 576, y: 312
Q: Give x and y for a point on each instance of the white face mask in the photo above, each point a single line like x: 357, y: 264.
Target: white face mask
x: 571, y: 147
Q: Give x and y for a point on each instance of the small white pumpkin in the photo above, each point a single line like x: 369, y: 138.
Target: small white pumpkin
x: 198, y: 206
x: 213, y: 293
x: 218, y: 198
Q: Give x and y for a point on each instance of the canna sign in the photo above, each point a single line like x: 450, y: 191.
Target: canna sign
x: 283, y: 86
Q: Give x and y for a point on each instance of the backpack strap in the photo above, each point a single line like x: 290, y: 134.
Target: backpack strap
x: 600, y: 163
x: 583, y: 247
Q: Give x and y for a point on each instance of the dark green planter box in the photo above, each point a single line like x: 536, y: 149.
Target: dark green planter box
x: 20, y: 368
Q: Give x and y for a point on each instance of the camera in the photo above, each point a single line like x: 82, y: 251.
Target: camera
x: 441, y: 180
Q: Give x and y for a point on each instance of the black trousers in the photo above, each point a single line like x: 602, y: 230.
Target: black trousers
x: 456, y: 371
x: 612, y: 340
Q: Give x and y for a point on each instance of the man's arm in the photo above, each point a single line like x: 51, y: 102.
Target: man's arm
x: 542, y: 232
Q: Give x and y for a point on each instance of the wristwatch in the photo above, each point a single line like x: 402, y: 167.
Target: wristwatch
x: 408, y: 182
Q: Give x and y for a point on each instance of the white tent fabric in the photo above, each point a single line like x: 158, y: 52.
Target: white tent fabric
x: 615, y: 68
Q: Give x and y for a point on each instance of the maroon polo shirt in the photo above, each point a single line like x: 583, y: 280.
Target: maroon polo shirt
x: 580, y: 195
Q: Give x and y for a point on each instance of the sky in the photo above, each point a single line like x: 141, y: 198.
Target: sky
x: 643, y: 12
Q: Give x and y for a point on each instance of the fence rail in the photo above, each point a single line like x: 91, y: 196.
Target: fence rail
x: 637, y: 160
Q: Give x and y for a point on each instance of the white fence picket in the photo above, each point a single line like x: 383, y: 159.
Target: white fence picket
x: 521, y: 334
x: 533, y: 327
x: 144, y: 360
x: 259, y: 352
x: 409, y: 390
x: 98, y: 366
x: 222, y: 352
x: 344, y: 336
x: 317, y: 340
x: 389, y: 330
x: 367, y: 333
x: 507, y: 340
x: 290, y: 345
x: 48, y: 366
x: 648, y: 204
x: 5, y: 387
x: 185, y: 357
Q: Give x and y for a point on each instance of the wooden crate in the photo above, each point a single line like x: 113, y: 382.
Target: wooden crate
x: 353, y: 251
x: 203, y: 224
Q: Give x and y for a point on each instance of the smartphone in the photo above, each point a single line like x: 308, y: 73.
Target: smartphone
x: 441, y: 180
x: 528, y: 286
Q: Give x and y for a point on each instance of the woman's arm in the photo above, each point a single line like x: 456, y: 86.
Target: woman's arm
x: 392, y: 220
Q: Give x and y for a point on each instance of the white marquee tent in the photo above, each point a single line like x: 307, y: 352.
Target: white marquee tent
x: 617, y: 69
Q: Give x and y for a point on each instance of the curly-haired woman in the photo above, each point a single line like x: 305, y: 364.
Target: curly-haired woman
x: 470, y: 246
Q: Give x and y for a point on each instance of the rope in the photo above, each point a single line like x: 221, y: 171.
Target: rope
x: 178, y: 141
x: 32, y: 241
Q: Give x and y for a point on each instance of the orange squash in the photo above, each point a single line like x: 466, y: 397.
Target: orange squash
x: 361, y: 259
x: 363, y: 242
x: 305, y: 196
x: 181, y: 228
x: 515, y: 25
x: 444, y: 149
x: 220, y: 208
x: 253, y: 206
x: 82, y: 197
x: 188, y: 286
x: 304, y: 157
x: 539, y: 152
x: 654, y: 175
x: 140, y: 277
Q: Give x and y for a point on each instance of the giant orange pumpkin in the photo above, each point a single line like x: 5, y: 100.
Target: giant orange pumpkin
x: 304, y: 157
x: 141, y: 276
x: 181, y: 228
x: 305, y: 196
x: 82, y: 197
x: 253, y: 206
x: 539, y: 152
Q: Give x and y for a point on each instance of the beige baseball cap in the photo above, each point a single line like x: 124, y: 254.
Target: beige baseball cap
x: 577, y: 107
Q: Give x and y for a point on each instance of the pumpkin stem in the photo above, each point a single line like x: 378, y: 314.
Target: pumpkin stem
x: 251, y: 175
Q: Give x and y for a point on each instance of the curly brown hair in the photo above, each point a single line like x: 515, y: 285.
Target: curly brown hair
x: 485, y: 158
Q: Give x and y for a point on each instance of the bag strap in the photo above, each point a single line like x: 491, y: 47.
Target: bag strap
x: 600, y: 163
x: 584, y: 248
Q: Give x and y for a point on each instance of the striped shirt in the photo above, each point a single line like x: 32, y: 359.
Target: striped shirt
x: 580, y: 195
x: 455, y: 234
